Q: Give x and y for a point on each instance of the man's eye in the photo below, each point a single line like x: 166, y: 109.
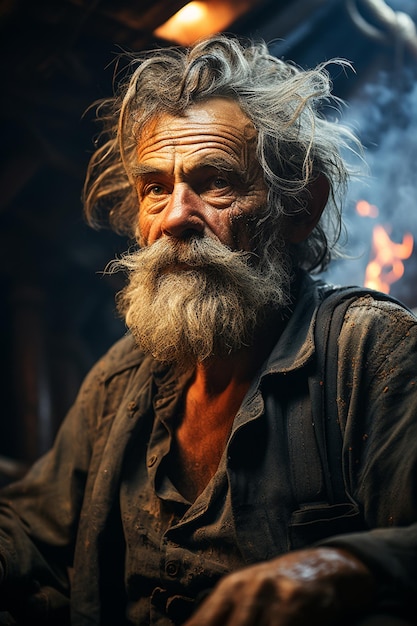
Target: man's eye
x: 154, y: 190
x: 220, y: 183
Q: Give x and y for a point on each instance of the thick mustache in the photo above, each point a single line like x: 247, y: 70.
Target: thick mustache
x: 203, y: 252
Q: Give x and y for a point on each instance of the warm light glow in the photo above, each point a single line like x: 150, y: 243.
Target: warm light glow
x: 387, y: 267
x: 366, y: 210
x: 191, y: 13
x: 200, y: 19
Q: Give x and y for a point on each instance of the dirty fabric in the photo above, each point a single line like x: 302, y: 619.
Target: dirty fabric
x: 98, y: 528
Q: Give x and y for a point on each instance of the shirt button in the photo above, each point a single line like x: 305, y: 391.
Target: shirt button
x: 152, y: 460
x: 172, y: 568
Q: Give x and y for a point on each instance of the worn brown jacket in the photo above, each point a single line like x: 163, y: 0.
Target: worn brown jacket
x: 60, y: 538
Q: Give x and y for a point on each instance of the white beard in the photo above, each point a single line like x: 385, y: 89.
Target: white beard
x: 188, y: 300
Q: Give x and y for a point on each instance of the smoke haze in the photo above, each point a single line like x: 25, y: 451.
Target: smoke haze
x: 384, y: 115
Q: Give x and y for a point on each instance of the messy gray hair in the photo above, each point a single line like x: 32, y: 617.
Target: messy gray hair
x: 296, y: 143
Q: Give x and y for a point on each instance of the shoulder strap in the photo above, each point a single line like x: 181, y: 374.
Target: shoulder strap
x: 330, y: 316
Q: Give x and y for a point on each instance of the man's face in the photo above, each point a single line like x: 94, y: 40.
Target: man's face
x: 199, y: 285
x: 198, y: 175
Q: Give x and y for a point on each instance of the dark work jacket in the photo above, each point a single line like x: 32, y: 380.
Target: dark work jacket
x: 60, y: 532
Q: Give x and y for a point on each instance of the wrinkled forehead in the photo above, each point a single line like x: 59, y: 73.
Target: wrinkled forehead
x: 216, y: 123
x: 218, y: 114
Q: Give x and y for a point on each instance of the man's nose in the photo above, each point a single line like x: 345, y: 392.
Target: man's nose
x: 184, y: 213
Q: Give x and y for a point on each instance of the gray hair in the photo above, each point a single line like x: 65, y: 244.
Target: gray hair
x: 296, y: 142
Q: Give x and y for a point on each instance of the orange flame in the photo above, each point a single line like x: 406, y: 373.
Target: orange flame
x: 387, y: 267
x: 365, y: 209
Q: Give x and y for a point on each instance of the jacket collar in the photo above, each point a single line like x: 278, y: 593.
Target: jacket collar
x: 295, y: 347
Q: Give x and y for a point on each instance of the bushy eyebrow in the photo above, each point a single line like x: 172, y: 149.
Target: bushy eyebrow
x: 137, y: 171
x: 218, y: 163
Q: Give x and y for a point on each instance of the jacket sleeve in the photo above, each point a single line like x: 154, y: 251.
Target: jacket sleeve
x: 377, y: 402
x: 38, y: 514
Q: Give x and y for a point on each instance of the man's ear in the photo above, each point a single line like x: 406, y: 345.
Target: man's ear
x: 299, y: 226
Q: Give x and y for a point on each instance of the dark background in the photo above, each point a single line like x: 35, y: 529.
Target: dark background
x: 57, y: 312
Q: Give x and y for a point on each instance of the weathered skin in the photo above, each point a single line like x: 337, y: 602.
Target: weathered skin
x: 198, y: 174
x: 305, y: 587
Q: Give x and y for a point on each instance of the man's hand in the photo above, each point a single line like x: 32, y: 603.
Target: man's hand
x: 315, y: 586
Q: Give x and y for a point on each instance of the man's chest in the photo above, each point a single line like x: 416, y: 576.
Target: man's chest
x: 202, y: 429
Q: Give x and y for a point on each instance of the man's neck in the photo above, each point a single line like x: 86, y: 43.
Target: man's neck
x: 215, y: 375
x: 211, y: 402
